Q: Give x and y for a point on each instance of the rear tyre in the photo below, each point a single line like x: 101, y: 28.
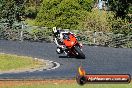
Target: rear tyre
x: 80, y: 53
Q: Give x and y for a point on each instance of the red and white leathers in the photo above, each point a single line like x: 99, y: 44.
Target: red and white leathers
x: 58, y: 38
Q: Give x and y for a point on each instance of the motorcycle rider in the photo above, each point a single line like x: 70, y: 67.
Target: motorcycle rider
x: 59, y: 35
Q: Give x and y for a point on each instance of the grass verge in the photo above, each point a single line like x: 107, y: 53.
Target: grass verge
x: 13, y: 62
x: 57, y: 84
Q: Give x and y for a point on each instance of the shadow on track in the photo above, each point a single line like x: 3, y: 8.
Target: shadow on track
x: 75, y: 57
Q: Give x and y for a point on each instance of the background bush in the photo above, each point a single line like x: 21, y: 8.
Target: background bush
x: 96, y: 20
x: 121, y: 26
x: 38, y: 35
x: 66, y: 14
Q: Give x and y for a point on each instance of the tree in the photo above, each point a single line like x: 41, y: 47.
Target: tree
x: 63, y: 13
x: 11, y: 10
x: 120, y: 8
x: 32, y: 8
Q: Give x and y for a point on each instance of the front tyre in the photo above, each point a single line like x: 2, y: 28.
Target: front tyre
x: 79, y: 52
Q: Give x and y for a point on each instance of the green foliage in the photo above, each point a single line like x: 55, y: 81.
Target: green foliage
x: 11, y: 10
x: 121, y: 22
x: 119, y: 41
x: 120, y: 26
x: 130, y: 9
x: 32, y: 8
x: 30, y: 22
x: 38, y: 35
x: 128, y: 44
x: 86, y: 4
x: 97, y: 21
x: 120, y: 8
x: 63, y: 13
x: 31, y: 12
x: 116, y: 41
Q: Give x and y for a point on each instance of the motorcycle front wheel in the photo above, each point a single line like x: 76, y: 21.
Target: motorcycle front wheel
x: 79, y: 52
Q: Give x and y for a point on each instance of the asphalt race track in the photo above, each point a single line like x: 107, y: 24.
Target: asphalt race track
x: 98, y: 60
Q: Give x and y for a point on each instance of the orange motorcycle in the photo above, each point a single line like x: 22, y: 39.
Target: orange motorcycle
x: 72, y: 46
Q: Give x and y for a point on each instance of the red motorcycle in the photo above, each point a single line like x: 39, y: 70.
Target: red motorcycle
x: 73, y: 47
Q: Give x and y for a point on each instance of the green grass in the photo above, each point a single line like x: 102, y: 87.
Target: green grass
x: 74, y: 86
x: 14, y: 62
